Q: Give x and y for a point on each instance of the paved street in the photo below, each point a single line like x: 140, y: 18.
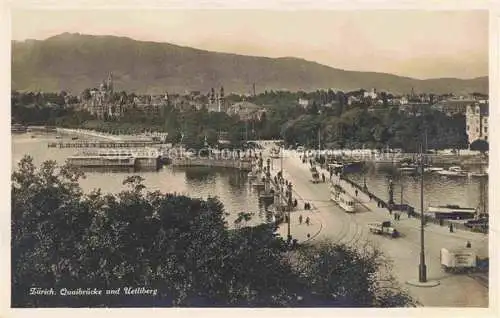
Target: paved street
x: 455, y: 290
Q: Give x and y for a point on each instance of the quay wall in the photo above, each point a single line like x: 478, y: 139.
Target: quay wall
x: 100, y: 144
x: 446, y: 159
x: 224, y: 163
x: 148, y: 162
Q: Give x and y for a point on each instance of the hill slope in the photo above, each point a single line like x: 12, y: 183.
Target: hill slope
x: 74, y: 62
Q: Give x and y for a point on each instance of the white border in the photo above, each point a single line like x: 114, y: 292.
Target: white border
x: 269, y: 5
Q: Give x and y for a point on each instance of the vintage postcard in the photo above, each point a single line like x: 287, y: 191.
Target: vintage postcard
x: 249, y: 158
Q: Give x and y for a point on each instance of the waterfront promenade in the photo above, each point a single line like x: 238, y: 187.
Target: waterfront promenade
x: 455, y: 290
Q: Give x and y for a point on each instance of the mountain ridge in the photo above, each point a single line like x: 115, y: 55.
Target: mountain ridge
x: 73, y: 62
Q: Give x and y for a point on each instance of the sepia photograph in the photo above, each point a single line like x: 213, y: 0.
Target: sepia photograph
x: 249, y: 158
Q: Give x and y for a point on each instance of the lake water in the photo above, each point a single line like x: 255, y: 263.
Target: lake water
x: 438, y: 190
x: 233, y: 189
x: 229, y: 185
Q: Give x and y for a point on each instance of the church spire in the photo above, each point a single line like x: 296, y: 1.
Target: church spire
x: 109, y: 82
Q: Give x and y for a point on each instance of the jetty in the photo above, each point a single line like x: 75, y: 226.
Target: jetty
x: 242, y: 164
x: 101, y: 144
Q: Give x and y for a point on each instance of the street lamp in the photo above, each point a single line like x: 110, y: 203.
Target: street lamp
x: 289, y: 208
x: 422, y: 273
x: 391, y: 192
x: 422, y: 268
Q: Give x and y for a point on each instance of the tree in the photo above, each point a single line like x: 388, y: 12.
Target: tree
x: 480, y: 145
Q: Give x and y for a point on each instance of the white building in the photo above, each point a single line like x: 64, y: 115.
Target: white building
x: 372, y: 94
x: 477, y: 122
x: 303, y: 102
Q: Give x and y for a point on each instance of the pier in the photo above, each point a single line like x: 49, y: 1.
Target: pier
x: 394, y: 158
x: 242, y: 164
x: 102, y: 144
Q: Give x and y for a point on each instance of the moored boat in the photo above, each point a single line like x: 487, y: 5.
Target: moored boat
x: 117, y: 158
x: 97, y: 161
x: 478, y: 174
x: 18, y: 129
x: 454, y: 171
x: 452, y: 212
x: 433, y: 169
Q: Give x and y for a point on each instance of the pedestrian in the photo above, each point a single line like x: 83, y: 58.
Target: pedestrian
x: 356, y: 192
x: 305, y: 205
x: 323, y: 177
x: 451, y: 227
x: 308, y: 221
x: 295, y: 203
x: 300, y: 219
x: 469, y: 245
x: 308, y: 235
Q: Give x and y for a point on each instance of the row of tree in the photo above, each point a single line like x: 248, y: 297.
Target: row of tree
x: 336, y: 125
x: 182, y: 247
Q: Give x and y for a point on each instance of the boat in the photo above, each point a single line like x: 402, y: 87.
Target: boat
x: 433, y: 169
x: 342, y: 198
x: 452, y: 212
x: 98, y: 161
x: 352, y: 166
x: 454, y: 171
x: 408, y: 168
x: 147, y: 158
x: 335, y: 165
x: 18, y: 129
x: 58, y: 137
x: 74, y: 138
x: 478, y: 174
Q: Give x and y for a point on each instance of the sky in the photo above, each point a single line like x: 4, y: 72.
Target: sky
x: 414, y: 43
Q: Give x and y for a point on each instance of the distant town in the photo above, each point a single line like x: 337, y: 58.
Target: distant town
x: 108, y: 104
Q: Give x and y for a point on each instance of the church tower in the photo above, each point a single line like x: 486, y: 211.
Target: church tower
x: 109, y: 82
x: 220, y: 100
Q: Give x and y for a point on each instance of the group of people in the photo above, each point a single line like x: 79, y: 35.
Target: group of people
x: 397, y: 216
x: 308, y: 221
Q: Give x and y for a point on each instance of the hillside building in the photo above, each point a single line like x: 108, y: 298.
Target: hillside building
x: 217, y: 102
x: 101, y: 103
x: 372, y: 94
x: 246, y: 111
x: 454, y: 106
x: 477, y: 122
